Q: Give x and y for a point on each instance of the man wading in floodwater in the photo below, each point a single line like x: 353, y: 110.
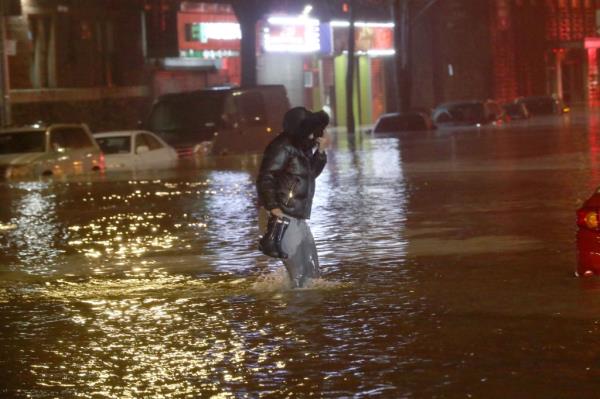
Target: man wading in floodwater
x: 286, y: 187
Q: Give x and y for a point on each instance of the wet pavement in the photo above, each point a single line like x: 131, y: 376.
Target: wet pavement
x: 448, y: 262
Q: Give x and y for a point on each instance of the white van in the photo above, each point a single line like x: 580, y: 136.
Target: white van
x: 221, y: 120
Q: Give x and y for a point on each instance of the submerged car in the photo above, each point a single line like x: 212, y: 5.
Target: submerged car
x: 402, y: 122
x: 468, y: 113
x: 516, y: 111
x: 135, y: 149
x: 55, y: 150
x: 588, y: 237
x: 225, y: 120
x: 543, y: 105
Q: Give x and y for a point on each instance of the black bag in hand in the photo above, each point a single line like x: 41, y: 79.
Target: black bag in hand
x: 270, y: 243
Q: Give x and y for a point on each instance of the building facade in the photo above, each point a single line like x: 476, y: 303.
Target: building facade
x: 76, y: 61
x: 546, y: 47
x: 104, y: 61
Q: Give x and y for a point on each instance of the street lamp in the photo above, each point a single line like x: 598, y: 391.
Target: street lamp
x: 307, y: 9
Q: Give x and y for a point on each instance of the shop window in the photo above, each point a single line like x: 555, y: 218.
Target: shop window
x: 43, y: 68
x: 82, y: 49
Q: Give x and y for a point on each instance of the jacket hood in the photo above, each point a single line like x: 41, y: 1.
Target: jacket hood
x: 314, y: 123
x: 301, y: 122
x: 292, y: 120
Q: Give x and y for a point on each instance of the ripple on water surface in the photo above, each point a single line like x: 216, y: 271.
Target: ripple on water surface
x: 154, y: 288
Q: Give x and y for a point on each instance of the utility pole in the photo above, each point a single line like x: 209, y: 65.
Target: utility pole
x: 405, y: 14
x: 248, y: 14
x: 402, y: 42
x: 5, y: 114
x: 350, y: 125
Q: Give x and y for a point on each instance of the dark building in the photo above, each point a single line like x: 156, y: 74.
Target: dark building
x: 546, y: 47
x: 103, y: 61
x: 503, y: 49
x: 452, y: 56
x: 76, y: 61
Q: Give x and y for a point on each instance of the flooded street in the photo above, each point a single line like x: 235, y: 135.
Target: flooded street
x: 448, y: 260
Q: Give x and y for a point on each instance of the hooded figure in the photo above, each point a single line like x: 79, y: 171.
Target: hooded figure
x: 286, y: 187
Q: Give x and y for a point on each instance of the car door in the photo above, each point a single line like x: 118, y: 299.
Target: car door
x: 60, y: 163
x: 253, y: 122
x: 164, y: 154
x: 151, y: 153
x: 76, y: 148
x: 141, y: 152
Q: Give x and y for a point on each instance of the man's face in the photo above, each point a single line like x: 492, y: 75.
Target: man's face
x: 307, y: 142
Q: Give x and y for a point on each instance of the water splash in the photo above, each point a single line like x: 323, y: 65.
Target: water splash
x: 278, y: 281
x: 6, y: 227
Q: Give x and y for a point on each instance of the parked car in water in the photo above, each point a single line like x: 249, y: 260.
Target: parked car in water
x: 402, y: 122
x: 588, y: 236
x: 134, y: 150
x: 55, y: 150
x: 220, y: 120
x: 543, y: 105
x: 465, y: 113
x: 516, y: 111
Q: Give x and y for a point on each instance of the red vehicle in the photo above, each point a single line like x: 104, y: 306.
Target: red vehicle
x: 588, y: 237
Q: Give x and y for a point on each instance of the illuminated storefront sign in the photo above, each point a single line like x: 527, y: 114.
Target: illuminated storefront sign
x: 208, y: 36
x: 204, y: 31
x: 291, y: 35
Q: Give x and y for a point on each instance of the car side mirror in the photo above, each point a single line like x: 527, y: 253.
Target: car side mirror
x: 142, y: 149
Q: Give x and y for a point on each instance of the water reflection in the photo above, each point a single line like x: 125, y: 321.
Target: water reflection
x: 232, y: 211
x: 442, y: 253
x: 159, y: 290
x: 355, y: 187
x: 34, y: 228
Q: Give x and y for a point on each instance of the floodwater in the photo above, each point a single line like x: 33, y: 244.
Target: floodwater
x: 448, y: 261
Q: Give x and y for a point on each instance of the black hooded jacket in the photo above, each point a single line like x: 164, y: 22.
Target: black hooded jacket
x: 288, y: 171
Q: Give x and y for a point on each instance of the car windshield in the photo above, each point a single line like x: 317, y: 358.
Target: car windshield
x: 115, y: 145
x: 397, y: 123
x: 22, y: 142
x: 187, y: 113
x: 539, y: 105
x: 468, y: 112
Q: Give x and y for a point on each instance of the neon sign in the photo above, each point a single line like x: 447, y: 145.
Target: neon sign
x: 291, y: 35
x: 204, y: 31
x: 208, y: 36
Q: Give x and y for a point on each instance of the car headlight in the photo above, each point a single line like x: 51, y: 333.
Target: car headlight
x: 17, y: 171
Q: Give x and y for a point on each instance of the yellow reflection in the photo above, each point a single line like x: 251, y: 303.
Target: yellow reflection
x: 172, y: 346
x: 34, y: 227
x: 124, y: 235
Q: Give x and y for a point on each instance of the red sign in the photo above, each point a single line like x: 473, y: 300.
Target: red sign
x: 202, y: 33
